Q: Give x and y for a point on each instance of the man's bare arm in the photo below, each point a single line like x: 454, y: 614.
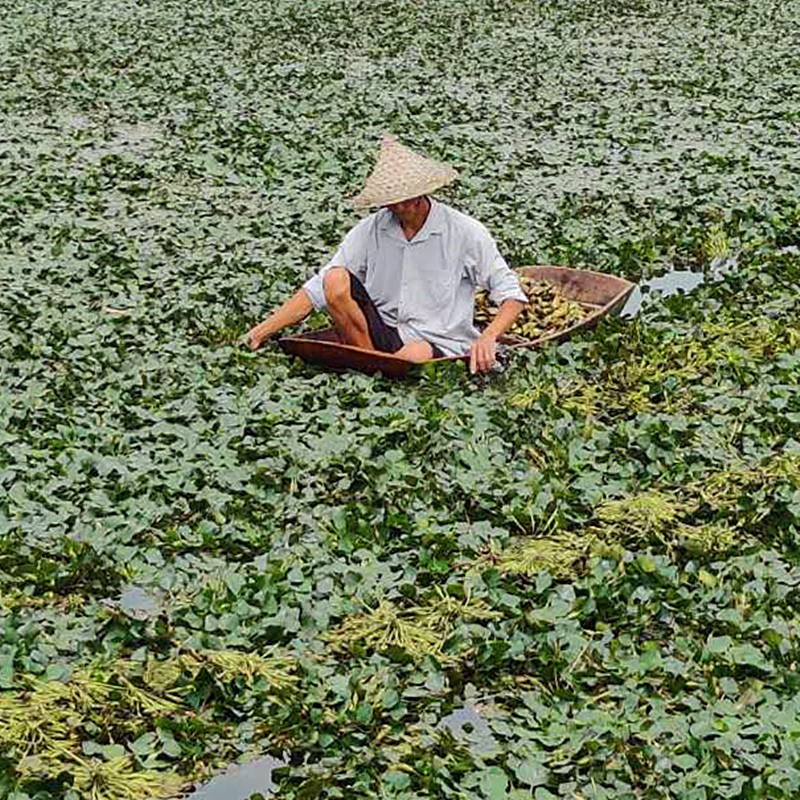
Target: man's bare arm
x: 484, y: 348
x: 295, y: 309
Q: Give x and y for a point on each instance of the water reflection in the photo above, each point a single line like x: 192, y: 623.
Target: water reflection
x: 667, y: 284
x: 241, y: 781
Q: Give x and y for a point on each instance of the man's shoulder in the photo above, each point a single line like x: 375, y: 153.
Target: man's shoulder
x: 369, y: 223
x: 463, y: 223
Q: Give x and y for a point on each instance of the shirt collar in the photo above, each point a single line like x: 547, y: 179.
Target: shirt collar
x: 434, y: 223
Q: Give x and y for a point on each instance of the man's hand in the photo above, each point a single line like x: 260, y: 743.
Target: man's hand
x: 484, y: 348
x: 295, y: 309
x: 255, y: 337
x: 482, y: 353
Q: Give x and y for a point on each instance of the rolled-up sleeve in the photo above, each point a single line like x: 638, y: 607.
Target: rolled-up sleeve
x: 489, y: 270
x: 351, y: 254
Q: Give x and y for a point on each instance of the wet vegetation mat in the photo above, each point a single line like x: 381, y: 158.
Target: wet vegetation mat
x: 574, y: 579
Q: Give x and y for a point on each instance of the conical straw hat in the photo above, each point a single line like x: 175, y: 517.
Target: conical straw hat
x: 401, y: 174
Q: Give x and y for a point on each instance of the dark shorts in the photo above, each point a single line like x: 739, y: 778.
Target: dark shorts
x: 384, y: 337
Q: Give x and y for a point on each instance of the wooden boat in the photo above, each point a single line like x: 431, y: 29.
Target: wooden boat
x: 602, y: 294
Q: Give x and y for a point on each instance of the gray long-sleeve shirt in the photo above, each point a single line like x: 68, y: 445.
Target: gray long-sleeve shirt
x: 424, y: 287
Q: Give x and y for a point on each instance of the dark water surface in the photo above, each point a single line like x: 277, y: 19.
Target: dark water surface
x: 241, y: 781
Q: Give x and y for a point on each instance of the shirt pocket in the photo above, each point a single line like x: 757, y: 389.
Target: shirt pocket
x: 430, y: 286
x: 384, y: 277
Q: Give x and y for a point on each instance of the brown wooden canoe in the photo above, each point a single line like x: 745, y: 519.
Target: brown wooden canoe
x: 603, y: 293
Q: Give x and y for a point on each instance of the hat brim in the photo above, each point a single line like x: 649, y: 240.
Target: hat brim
x: 400, y: 174
x: 367, y: 199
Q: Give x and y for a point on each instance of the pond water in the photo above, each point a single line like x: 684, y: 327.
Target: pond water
x: 137, y: 603
x: 470, y: 728
x: 240, y: 781
x: 667, y: 284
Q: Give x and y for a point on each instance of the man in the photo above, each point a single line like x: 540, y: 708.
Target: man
x: 403, y: 280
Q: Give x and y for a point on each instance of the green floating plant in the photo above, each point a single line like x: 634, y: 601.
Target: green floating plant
x: 644, y: 517
x: 559, y: 554
x: 388, y: 626
x: 101, y: 779
x: 444, y: 609
x: 420, y: 630
x: 230, y: 665
x: 708, y: 538
x: 30, y: 723
x: 717, y: 245
x: 43, y: 724
x: 161, y: 197
x: 653, y: 517
x: 725, y: 488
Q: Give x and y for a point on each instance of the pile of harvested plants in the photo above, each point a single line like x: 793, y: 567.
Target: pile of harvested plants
x: 548, y: 310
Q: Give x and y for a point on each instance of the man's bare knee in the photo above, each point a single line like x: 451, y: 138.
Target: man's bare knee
x: 416, y: 352
x: 336, y: 284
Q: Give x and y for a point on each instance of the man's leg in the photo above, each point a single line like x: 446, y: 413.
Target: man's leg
x: 416, y: 352
x: 359, y: 321
x: 346, y: 313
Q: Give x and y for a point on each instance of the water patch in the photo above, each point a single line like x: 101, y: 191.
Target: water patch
x: 241, y: 781
x: 137, y: 603
x: 668, y: 284
x: 470, y: 728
